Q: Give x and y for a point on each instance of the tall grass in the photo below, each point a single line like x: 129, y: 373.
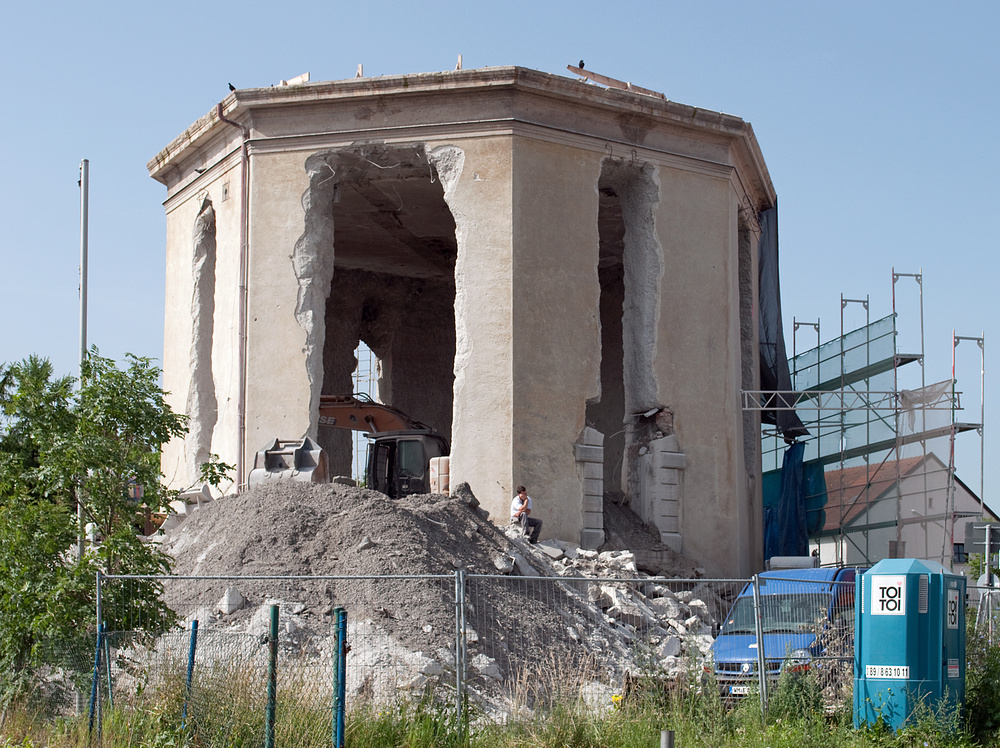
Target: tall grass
x: 224, y: 713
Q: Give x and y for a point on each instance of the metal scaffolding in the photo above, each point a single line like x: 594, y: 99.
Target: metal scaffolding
x: 879, y: 443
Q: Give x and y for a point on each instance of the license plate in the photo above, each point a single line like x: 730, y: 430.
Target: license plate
x: 739, y: 690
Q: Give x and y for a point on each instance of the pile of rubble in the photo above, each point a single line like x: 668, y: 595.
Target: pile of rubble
x: 339, y: 545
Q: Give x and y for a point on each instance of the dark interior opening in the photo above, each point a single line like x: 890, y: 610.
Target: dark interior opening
x: 393, y: 287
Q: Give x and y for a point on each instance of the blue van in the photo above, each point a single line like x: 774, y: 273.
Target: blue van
x: 802, y: 609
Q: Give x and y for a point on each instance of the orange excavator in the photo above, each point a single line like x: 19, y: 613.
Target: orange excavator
x: 400, y: 450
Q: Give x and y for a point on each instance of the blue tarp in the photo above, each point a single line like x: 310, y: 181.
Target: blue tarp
x: 794, y: 498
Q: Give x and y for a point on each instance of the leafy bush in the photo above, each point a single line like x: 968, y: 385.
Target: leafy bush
x: 798, y: 693
x: 982, y: 687
x: 67, y: 454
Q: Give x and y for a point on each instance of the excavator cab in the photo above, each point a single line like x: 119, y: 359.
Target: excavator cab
x: 398, y: 461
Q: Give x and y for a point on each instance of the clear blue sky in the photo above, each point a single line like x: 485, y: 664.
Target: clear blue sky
x: 878, y: 122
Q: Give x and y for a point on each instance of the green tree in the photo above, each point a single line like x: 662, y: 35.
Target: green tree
x: 64, y: 450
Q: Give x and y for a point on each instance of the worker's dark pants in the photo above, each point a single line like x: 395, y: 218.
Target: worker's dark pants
x: 531, y: 525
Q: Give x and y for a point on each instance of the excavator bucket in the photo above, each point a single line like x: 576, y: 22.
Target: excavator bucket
x: 301, y: 460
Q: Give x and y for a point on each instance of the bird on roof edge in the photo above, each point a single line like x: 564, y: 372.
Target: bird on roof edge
x: 232, y: 87
x: 580, y: 65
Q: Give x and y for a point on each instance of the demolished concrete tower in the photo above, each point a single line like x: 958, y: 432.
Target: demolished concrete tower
x: 560, y: 277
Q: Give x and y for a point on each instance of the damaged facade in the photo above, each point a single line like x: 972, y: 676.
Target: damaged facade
x: 560, y: 278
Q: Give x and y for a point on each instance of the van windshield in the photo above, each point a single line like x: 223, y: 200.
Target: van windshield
x: 790, y: 614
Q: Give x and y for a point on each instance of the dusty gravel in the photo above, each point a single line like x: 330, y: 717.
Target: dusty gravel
x: 292, y: 529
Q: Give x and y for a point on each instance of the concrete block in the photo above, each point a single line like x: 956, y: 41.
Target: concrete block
x: 672, y: 460
x: 593, y: 486
x: 671, y: 647
x: 487, y: 667
x: 524, y: 569
x: 668, y: 443
x: 592, y: 437
x: 668, y: 524
x: 550, y: 549
x: 590, y: 539
x: 592, y: 503
x: 667, y: 492
x: 586, y: 453
x: 231, y: 601
x: 503, y: 564
x: 672, y: 540
x: 593, y: 470
x: 667, y: 607
x: 668, y: 508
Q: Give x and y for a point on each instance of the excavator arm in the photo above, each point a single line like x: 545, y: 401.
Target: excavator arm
x: 361, y: 413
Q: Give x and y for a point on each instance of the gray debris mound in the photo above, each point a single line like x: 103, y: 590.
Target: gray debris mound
x: 294, y: 529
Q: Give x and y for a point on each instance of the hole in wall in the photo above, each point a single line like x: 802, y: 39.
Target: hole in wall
x: 630, y: 268
x: 392, y: 287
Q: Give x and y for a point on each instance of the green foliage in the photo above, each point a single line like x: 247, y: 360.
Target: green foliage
x: 982, y: 687
x: 798, y: 693
x: 66, y: 454
x: 215, y: 472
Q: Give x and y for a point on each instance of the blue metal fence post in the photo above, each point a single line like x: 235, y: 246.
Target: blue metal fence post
x: 335, y: 666
x: 342, y: 648
x: 107, y: 670
x: 96, y: 679
x: 190, y: 671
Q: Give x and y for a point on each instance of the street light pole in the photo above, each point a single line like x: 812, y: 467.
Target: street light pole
x: 84, y: 230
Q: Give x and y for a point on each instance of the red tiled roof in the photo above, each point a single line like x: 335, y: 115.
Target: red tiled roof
x: 851, y: 490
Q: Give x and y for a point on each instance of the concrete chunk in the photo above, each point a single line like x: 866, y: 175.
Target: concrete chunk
x: 231, y: 601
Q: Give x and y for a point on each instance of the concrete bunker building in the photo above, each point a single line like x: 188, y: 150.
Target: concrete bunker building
x: 561, y: 277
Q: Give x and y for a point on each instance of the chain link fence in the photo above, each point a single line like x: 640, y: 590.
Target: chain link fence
x: 494, y: 648
x: 984, y: 603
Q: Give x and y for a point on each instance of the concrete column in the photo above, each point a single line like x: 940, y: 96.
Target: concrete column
x: 476, y: 176
x: 278, y: 386
x: 179, y: 363
x: 700, y: 306
x: 556, y: 325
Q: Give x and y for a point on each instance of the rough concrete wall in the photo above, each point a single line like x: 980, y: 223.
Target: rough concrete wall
x: 202, y: 405
x: 698, y: 364
x: 476, y: 175
x: 420, y: 327
x: 342, y: 322
x: 556, y: 324
x: 177, y: 332
x: 208, y: 337
x: 284, y: 188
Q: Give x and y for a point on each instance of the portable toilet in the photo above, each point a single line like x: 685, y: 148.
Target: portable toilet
x: 909, y: 646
